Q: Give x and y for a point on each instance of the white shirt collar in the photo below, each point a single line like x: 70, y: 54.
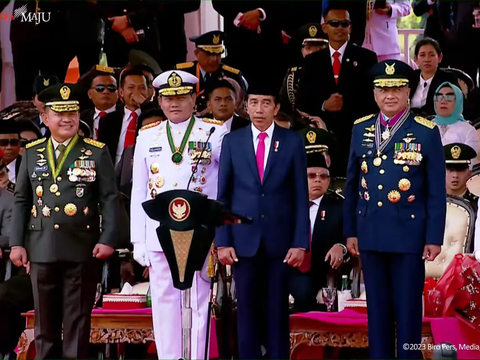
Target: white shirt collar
x: 55, y: 143
x: 128, y: 113
x: 422, y: 81
x: 341, y: 50
x: 108, y: 111
x: 317, y: 201
x: 257, y: 132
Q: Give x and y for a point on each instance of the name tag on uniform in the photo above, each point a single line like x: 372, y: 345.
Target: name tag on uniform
x: 155, y: 149
x: 41, y: 168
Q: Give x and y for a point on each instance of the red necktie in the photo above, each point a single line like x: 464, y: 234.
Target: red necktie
x: 131, y: 131
x: 261, y: 154
x: 336, y: 66
x: 102, y: 114
x: 307, y: 261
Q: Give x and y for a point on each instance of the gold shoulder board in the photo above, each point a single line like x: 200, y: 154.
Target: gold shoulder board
x: 36, y: 142
x: 293, y: 69
x: 184, y: 65
x: 149, y: 126
x: 365, y: 118
x: 424, y: 122
x: 94, y: 143
x: 232, y: 70
x: 212, y: 121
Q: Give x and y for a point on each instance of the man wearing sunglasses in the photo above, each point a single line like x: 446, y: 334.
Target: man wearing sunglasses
x: 103, y: 92
x: 327, y: 247
x: 335, y: 84
x: 10, y: 144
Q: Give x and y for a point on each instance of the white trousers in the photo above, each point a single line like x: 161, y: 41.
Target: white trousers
x: 167, y: 314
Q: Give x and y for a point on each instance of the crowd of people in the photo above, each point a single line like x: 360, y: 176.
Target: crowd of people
x: 304, y: 117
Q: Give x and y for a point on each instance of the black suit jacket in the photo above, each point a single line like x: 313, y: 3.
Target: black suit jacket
x: 327, y: 231
x: 110, y: 129
x: 438, y: 21
x: 439, y: 78
x: 239, y: 122
x: 87, y: 116
x: 317, y: 84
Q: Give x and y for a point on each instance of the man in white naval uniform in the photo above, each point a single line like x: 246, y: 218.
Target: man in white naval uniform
x: 165, y: 155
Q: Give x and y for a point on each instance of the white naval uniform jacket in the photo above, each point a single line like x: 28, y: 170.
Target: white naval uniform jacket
x: 153, y: 169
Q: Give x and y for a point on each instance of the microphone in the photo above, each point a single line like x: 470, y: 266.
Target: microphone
x: 194, y: 170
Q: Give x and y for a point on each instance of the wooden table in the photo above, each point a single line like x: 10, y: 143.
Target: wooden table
x: 107, y: 328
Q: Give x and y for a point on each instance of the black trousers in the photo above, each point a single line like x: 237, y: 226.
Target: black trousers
x: 63, y: 292
x: 15, y: 298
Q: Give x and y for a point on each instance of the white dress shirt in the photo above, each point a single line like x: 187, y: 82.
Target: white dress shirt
x: 341, y: 51
x: 43, y: 129
x: 11, y: 170
x: 268, y: 140
x: 121, y: 141
x: 419, y: 99
x: 96, y: 120
x: 314, y: 212
x: 228, y: 123
x: 55, y: 146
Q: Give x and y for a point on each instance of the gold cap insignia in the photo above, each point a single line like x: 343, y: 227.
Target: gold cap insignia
x: 389, y: 69
x: 456, y: 151
x: 105, y: 69
x: 65, y: 92
x: 216, y: 39
x: 313, y: 31
x: 46, y: 82
x: 174, y: 80
x: 311, y: 136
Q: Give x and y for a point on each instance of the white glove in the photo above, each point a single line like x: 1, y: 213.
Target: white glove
x: 140, y: 254
x: 477, y: 255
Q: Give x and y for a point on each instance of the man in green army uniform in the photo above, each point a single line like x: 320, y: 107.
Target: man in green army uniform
x: 64, y: 219
x: 208, y: 66
x: 312, y: 39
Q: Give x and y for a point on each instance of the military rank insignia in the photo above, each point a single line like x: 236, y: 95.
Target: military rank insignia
x: 82, y: 171
x: 408, y: 154
x: 199, y: 150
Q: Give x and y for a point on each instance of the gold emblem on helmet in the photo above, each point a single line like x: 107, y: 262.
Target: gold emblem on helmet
x: 456, y: 151
x: 311, y: 136
x: 65, y: 92
x: 389, y: 69
x: 174, y: 80
x: 46, y: 82
x: 216, y: 39
x: 312, y: 31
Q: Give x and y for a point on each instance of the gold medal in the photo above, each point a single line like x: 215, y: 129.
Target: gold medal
x: 73, y: 178
x: 159, y: 182
x: 394, y: 196
x: 150, y: 183
x: 70, y: 209
x: 377, y: 161
x: 411, y: 198
x: 404, y: 184
x: 154, y: 168
x: 53, y: 188
x: 88, y: 153
x: 364, y: 167
x: 39, y: 191
x: 46, y: 211
x: 34, y: 212
x: 76, y: 171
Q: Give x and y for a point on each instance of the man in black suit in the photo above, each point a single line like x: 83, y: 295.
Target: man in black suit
x: 10, y: 144
x: 221, y: 100
x: 102, y: 90
x: 208, y: 66
x: 118, y: 128
x: 257, y: 25
x: 171, y: 31
x: 129, y: 25
x: 40, y: 83
x: 335, y: 84
x: 439, y: 22
x: 326, y: 221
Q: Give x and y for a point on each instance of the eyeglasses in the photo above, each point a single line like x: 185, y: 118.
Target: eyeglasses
x: 337, y: 23
x: 12, y: 142
x: 101, y: 88
x: 322, y: 176
x: 446, y: 97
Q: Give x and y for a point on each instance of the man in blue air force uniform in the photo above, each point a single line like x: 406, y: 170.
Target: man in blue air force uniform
x: 395, y: 206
